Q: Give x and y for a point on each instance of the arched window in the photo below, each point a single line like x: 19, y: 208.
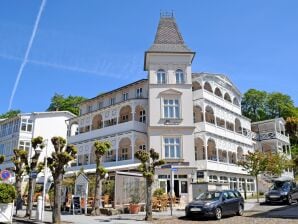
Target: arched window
x: 236, y: 102
x: 218, y: 92
x: 161, y: 76
x: 179, y: 76
x: 124, y: 150
x: 240, y: 154
x: 199, y: 149
x: 97, y: 122
x: 196, y: 86
x: 209, y: 115
x: 211, y: 150
x: 238, y: 127
x: 208, y: 87
x: 198, y: 114
x: 125, y: 114
x: 227, y: 97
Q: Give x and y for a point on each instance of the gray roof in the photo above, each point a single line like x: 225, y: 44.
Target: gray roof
x: 168, y: 37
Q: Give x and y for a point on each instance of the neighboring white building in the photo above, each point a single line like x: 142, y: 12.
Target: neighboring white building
x: 193, y: 120
x: 17, y: 132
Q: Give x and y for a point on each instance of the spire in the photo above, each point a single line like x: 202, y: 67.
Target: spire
x: 168, y: 37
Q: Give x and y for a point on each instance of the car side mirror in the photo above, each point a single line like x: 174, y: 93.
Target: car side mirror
x: 223, y: 198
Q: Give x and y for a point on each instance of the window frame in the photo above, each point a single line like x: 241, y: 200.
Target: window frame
x: 172, y: 146
x: 180, y: 75
x: 161, y: 76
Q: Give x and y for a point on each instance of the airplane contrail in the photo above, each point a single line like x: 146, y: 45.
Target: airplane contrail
x: 20, y: 72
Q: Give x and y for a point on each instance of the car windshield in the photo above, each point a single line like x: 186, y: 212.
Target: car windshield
x: 278, y: 185
x: 209, y: 196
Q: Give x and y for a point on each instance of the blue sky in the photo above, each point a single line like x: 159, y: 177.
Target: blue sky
x: 88, y: 47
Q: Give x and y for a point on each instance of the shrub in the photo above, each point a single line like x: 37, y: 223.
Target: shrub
x: 158, y: 192
x: 7, y: 193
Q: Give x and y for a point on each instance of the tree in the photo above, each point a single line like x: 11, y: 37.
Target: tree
x: 60, y: 157
x: 254, y: 104
x: 33, y: 167
x: 292, y: 129
x: 280, y: 105
x: 254, y: 163
x: 9, y: 114
x: 277, y: 163
x: 19, y: 160
x: 70, y: 103
x: 101, y: 147
x: 2, y: 158
x: 148, y: 163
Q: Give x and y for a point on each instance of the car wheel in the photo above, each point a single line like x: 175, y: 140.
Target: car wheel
x: 289, y: 200
x: 218, y: 213
x: 240, y: 210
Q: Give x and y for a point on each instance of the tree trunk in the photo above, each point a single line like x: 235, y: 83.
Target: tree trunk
x: 257, y: 186
x: 30, y: 198
x: 19, y: 202
x: 97, y: 199
x: 148, y: 216
x: 56, y: 215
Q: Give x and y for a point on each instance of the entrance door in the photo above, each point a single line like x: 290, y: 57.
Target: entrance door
x: 176, y: 187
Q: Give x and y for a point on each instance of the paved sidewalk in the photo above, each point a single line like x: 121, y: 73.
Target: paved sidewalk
x: 117, y: 219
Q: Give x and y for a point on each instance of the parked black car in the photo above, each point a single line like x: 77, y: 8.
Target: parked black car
x: 216, y: 204
x: 283, y: 190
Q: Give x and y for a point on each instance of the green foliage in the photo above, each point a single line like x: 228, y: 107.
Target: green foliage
x: 158, y: 192
x: 108, y: 187
x: 277, y: 163
x: 101, y: 147
x: 260, y: 105
x: 292, y: 129
x: 70, y: 103
x: 135, y: 195
x: 254, y: 104
x: 7, y: 193
x: 2, y: 158
x: 9, y: 114
x: 61, y: 156
x: 254, y: 163
x: 19, y: 160
x: 148, y: 163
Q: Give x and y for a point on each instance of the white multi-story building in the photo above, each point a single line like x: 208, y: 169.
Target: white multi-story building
x: 17, y: 132
x: 193, y: 120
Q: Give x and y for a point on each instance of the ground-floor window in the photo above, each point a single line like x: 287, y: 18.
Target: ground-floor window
x: 233, y: 183
x: 184, y: 188
x: 223, y: 179
x: 241, y: 184
x: 250, y: 185
x: 212, y: 178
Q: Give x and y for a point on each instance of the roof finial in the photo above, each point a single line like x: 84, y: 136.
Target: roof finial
x: 166, y: 14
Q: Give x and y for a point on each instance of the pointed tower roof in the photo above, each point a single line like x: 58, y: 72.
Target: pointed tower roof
x: 168, y: 37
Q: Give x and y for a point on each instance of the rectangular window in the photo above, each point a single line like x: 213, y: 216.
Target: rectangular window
x: 161, y: 78
x: 184, y: 188
x: 26, y: 125
x: 89, y: 109
x: 100, y: 105
x: 25, y: 145
x: 172, y: 148
x: 142, y: 116
x: 125, y: 96
x: 179, y: 77
x: 112, y: 101
x: 139, y: 92
x: 171, y: 108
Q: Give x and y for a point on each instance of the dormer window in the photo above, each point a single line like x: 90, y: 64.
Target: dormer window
x: 179, y: 76
x: 161, y: 76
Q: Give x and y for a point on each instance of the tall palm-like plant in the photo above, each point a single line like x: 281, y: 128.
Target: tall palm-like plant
x: 19, y: 160
x: 60, y: 157
x: 101, y: 147
x: 149, y: 160
x: 32, y: 166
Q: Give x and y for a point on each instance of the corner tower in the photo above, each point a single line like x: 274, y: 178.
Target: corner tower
x: 168, y: 62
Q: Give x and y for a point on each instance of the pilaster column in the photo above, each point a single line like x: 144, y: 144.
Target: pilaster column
x: 117, y: 148
x: 133, y: 147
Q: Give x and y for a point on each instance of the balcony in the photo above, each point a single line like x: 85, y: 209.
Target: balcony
x: 212, y: 128
x: 219, y: 166
x: 110, y: 130
x: 273, y: 135
x: 199, y: 94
